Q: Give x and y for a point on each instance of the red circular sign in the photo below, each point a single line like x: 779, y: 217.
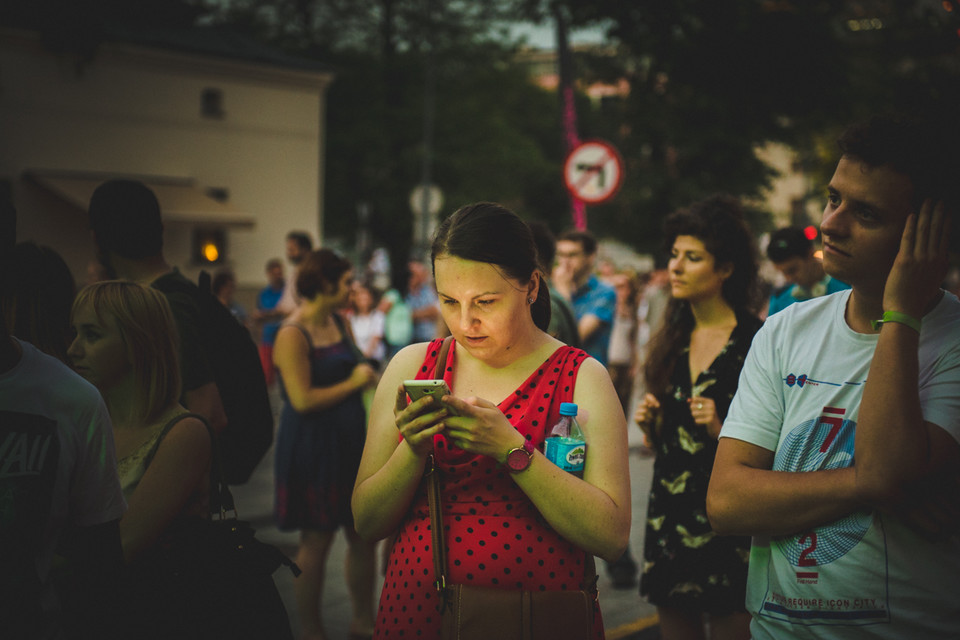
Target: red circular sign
x: 593, y: 171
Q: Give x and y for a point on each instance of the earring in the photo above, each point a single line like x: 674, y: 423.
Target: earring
x: 529, y: 300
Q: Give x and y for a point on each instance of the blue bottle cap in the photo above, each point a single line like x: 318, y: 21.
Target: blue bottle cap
x: 568, y: 408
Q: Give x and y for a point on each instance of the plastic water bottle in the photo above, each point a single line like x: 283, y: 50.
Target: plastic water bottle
x: 565, y: 445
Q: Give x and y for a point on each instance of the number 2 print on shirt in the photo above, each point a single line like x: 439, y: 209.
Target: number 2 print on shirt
x: 810, y: 571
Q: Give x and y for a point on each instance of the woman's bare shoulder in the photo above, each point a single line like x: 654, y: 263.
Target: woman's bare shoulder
x: 408, y: 360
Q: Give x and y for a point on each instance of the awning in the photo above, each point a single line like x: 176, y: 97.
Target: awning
x: 181, y: 200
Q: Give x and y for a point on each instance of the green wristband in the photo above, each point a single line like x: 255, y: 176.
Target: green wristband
x: 897, y: 316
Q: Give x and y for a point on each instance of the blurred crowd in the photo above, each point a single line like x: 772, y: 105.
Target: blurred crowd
x: 116, y: 410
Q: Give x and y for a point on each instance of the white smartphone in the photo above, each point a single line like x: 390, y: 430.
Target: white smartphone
x: 417, y: 389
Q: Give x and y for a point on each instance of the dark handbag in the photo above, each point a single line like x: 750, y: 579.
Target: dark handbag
x: 481, y: 613
x: 214, y: 574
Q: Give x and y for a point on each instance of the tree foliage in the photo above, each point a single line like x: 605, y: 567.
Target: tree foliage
x: 495, y: 134
x: 711, y: 81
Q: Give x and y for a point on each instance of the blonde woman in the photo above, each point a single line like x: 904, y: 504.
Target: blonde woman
x: 126, y: 346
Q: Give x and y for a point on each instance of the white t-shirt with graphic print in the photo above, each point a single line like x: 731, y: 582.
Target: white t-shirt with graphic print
x: 865, y: 575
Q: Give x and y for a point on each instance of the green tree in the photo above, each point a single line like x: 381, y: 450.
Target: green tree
x: 709, y: 81
x: 496, y: 135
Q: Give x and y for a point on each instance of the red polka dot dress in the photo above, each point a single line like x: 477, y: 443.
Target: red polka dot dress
x: 494, y: 535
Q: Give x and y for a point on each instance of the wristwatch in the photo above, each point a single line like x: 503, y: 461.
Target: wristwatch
x: 519, y: 459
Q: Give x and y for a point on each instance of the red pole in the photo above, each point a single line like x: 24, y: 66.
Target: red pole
x: 568, y: 107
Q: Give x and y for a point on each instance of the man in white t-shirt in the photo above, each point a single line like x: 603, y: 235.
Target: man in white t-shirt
x: 841, y: 446
x: 60, y: 499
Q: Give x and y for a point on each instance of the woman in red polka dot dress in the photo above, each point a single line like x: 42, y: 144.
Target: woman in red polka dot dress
x: 526, y: 526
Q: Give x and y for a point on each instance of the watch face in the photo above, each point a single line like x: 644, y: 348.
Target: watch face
x: 518, y: 460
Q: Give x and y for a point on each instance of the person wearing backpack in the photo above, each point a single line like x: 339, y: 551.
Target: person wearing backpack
x: 220, y: 367
x: 128, y: 231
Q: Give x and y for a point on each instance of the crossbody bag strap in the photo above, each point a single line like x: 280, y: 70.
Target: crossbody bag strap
x: 442, y: 358
x: 432, y: 476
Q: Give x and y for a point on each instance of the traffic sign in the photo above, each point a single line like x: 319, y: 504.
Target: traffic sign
x: 593, y: 171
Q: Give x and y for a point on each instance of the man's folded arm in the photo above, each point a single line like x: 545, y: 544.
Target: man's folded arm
x: 746, y: 497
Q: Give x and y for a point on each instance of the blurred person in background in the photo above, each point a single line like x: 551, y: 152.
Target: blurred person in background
x: 128, y: 229
x: 563, y: 323
x: 367, y: 323
x: 398, y: 320
x: 594, y: 302
x: 298, y: 247
x: 622, y: 353
x: 421, y: 298
x: 36, y: 299
x: 224, y: 288
x: 792, y: 254
x: 691, y: 575
x: 269, y: 316
x: 320, y: 439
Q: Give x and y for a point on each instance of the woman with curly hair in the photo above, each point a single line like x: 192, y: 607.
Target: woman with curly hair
x: 691, y: 373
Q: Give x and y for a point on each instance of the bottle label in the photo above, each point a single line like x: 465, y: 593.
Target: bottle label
x: 567, y: 453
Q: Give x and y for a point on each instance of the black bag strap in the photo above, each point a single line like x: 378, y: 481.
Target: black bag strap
x: 220, y: 498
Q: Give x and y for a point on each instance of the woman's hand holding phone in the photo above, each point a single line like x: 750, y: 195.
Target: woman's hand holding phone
x: 421, y: 419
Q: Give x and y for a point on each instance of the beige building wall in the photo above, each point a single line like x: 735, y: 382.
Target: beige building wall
x: 132, y: 110
x: 791, y: 186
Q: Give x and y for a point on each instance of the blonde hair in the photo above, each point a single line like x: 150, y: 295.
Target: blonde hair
x: 149, y: 333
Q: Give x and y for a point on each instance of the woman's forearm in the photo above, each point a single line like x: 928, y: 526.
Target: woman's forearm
x: 312, y: 399
x: 584, y: 514
x: 382, y: 500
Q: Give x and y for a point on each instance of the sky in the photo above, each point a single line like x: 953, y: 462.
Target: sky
x: 544, y: 36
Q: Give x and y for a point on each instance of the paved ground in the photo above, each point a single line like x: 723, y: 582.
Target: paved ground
x: 626, y: 615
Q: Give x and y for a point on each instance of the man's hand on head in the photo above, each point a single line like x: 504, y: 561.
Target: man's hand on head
x: 922, y: 262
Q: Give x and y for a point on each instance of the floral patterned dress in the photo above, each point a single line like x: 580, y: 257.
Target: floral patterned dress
x: 686, y: 565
